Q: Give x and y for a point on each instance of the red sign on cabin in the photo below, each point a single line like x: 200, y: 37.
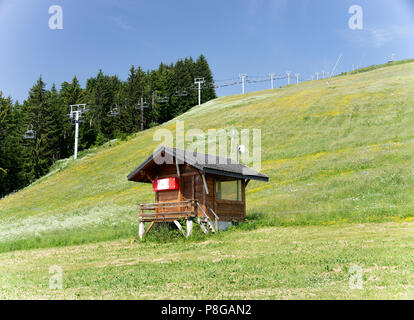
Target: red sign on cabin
x: 165, y: 184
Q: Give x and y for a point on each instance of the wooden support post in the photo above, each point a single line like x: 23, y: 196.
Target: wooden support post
x: 149, y: 227
x: 178, y: 168
x: 205, y: 182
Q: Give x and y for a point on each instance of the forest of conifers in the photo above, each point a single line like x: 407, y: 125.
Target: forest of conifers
x: 114, y: 111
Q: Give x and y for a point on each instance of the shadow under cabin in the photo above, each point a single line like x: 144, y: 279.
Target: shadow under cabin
x: 193, y: 186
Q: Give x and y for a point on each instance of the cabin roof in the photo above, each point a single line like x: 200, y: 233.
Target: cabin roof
x: 215, y: 165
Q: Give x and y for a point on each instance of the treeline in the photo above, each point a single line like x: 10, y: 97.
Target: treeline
x: 38, y: 132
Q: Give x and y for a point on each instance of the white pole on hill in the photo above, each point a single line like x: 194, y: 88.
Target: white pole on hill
x: 199, y: 81
x: 288, y: 75
x: 76, y: 134
x: 143, y: 106
x: 272, y: 76
x: 76, y: 111
x: 243, y: 79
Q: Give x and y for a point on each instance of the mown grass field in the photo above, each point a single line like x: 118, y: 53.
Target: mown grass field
x: 341, y: 191
x: 306, y: 262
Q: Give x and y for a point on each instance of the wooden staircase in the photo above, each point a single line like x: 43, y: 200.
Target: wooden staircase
x: 206, y: 225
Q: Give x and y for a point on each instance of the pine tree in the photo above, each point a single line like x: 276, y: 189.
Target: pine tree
x: 43, y: 150
x: 61, y: 120
x: 202, y: 70
x: 163, y: 89
x: 4, y: 111
x: 11, y: 163
x: 101, y: 97
x: 129, y: 100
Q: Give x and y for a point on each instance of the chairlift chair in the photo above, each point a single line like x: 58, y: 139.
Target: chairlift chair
x: 30, y: 134
x: 162, y: 99
x: 73, y: 121
x: 144, y: 105
x: 114, y: 112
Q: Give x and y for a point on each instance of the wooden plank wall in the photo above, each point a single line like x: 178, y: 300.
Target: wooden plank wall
x: 227, y: 210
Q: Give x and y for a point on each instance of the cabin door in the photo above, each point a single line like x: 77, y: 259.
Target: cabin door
x: 187, y: 187
x: 198, y: 189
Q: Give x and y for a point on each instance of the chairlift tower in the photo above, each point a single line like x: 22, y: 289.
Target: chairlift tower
x: 297, y: 77
x: 288, y: 75
x: 272, y: 77
x: 243, y: 77
x: 143, y: 105
x: 76, y: 111
x: 199, y: 82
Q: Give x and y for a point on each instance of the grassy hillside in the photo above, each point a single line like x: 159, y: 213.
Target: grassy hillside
x: 334, y: 154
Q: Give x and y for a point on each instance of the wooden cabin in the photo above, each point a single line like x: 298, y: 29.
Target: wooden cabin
x: 190, y: 185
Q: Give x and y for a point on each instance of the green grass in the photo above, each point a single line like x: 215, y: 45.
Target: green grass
x: 307, y: 262
x: 378, y: 66
x: 335, y: 155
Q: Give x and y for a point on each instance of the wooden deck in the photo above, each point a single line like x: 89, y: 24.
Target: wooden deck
x: 175, y: 211
x: 167, y: 211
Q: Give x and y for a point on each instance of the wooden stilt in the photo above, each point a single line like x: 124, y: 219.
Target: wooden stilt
x: 149, y: 227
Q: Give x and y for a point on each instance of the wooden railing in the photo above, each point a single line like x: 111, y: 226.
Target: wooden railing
x: 168, y: 211
x: 216, y: 217
x: 172, y: 211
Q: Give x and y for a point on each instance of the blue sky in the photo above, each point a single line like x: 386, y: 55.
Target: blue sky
x: 237, y: 36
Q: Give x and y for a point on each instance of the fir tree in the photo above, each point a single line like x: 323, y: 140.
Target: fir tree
x: 42, y: 151
x: 202, y: 70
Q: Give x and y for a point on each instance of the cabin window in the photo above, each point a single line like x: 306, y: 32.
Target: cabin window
x: 228, y: 190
